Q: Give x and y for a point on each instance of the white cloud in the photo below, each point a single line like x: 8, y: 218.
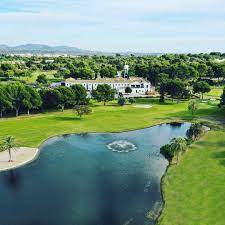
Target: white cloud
x: 115, y: 24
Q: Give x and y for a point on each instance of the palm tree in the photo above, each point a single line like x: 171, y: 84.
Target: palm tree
x: 178, y: 145
x: 195, y: 131
x: 8, y: 144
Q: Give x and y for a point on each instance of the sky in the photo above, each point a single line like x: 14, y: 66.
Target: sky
x: 176, y: 26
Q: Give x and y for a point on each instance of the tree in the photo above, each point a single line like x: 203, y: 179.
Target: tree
x: 108, y: 71
x: 82, y: 110
x: 192, y: 106
x: 162, y: 77
x: 162, y: 91
x: 65, y: 97
x: 7, y: 66
x: 79, y: 95
x: 175, y: 88
x: 103, y: 93
x: 178, y: 145
x: 121, y: 101
x: 167, y: 152
x: 50, y: 98
x: 85, y: 73
x: 128, y: 90
x: 17, y: 93
x: 131, y: 101
x: 42, y: 79
x: 195, y: 131
x: 32, y: 99
x: 201, y: 87
x: 65, y: 73
x: 4, y: 100
x: 8, y: 144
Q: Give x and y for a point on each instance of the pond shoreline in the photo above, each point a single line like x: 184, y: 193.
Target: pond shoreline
x: 207, y: 129
x: 31, y: 158
x: 36, y: 153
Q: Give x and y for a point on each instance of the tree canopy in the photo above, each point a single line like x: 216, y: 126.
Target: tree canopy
x: 103, y: 93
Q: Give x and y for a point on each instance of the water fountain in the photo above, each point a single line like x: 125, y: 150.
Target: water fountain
x: 121, y: 146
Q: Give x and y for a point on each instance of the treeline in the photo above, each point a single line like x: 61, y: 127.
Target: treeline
x: 17, y: 97
x: 178, y: 89
x: 185, y: 67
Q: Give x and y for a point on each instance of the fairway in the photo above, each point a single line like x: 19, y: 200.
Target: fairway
x: 215, y: 92
x: 32, y: 130
x: 193, y: 190
x: 34, y: 75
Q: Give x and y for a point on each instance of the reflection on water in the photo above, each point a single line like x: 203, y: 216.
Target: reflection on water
x: 12, y: 179
x: 78, y: 181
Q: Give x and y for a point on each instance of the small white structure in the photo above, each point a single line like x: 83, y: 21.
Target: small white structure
x: 126, y: 71
x: 49, y: 61
x: 138, y: 85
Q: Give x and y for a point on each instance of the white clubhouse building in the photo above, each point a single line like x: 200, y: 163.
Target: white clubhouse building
x: 138, y: 85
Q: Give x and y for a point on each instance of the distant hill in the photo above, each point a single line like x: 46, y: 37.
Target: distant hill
x: 38, y: 49
x: 43, y: 49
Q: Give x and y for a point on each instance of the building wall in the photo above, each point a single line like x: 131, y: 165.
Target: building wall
x: 137, y: 87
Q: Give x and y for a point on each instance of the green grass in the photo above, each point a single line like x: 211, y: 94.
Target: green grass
x: 33, y: 130
x: 215, y: 92
x: 32, y: 79
x: 193, y: 190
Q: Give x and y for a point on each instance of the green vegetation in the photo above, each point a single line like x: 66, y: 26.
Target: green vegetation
x: 173, y: 150
x: 194, y: 189
x: 102, y: 119
x: 103, y: 93
x: 192, y: 106
x: 178, y: 146
x: 201, y: 87
x: 121, y: 101
x: 34, y: 75
x: 194, y: 186
x: 201, y: 67
x: 222, y: 101
x: 195, y: 131
x: 215, y: 92
x: 82, y: 110
x: 8, y: 144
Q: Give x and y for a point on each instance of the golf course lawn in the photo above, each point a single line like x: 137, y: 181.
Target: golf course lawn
x: 31, y: 131
x: 215, y: 92
x: 34, y: 75
x: 193, y: 190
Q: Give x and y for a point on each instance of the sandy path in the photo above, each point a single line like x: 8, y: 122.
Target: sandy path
x: 143, y: 106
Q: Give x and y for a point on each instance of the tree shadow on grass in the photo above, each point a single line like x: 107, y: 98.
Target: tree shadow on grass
x: 220, y: 156
x: 65, y: 118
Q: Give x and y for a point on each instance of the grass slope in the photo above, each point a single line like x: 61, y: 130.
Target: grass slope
x: 194, y: 190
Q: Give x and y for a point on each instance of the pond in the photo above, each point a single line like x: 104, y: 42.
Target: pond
x: 90, y: 179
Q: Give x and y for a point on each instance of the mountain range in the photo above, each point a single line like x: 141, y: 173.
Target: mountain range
x: 43, y: 49
x: 39, y: 49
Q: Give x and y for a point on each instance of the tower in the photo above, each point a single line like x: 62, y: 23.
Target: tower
x: 126, y: 71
